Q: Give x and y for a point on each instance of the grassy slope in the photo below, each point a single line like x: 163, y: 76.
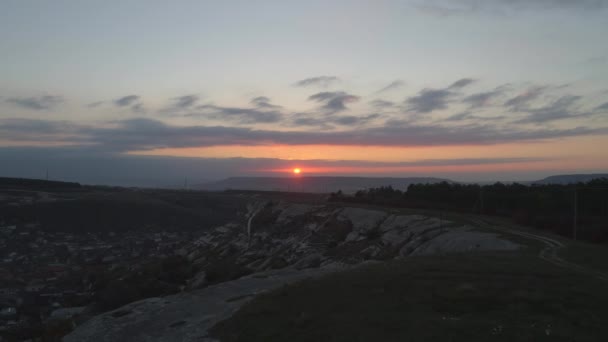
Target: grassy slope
x: 458, y: 298
x: 490, y: 297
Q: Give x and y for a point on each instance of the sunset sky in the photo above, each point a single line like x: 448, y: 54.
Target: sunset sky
x: 110, y: 91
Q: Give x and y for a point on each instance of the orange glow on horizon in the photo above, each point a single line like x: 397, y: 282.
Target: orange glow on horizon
x: 570, y: 154
x: 406, y: 169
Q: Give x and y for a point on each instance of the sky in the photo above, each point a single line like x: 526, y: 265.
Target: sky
x: 144, y: 92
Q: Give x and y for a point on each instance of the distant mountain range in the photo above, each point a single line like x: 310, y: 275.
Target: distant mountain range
x: 314, y: 184
x: 321, y: 184
x: 569, y: 179
x: 352, y: 184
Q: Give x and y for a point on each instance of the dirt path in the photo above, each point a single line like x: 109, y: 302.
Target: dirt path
x: 550, y: 250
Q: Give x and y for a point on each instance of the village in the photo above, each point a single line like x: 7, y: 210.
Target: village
x: 47, y: 276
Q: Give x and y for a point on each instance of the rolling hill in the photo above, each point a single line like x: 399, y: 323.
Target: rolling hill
x: 570, y: 179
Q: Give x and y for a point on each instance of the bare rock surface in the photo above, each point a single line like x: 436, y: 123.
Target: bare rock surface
x: 363, y: 220
x: 186, y: 316
x: 294, y: 210
x: 463, y: 240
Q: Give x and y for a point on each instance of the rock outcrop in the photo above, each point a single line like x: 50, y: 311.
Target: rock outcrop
x: 277, y: 243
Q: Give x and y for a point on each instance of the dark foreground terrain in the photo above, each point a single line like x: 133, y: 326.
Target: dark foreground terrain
x: 112, y: 264
x: 449, y: 298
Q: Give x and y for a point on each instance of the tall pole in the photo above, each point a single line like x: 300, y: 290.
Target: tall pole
x: 481, y: 200
x: 575, y: 219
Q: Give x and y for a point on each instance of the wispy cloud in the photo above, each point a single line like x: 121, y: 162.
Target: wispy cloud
x: 602, y: 107
x: 397, y: 84
x: 132, y: 101
x: 126, y: 101
x: 382, y: 104
x: 521, y: 101
x: 237, y: 114
x: 319, y: 81
x: 461, y: 83
x: 460, y: 116
x: 36, y: 103
x: 428, y: 100
x: 483, y: 99
x: 562, y: 108
x: 308, y: 120
x: 327, y: 122
x: 146, y: 134
x: 263, y: 102
x: 184, y: 102
x: 334, y: 101
x: 467, y: 115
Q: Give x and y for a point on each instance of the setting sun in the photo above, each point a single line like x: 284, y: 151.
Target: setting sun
x: 297, y: 171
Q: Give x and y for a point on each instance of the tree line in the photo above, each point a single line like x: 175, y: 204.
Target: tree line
x: 545, y: 206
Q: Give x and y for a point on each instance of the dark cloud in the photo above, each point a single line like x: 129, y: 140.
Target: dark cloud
x: 470, y: 116
x: 562, y: 108
x: 132, y: 101
x: 240, y: 115
x: 319, y: 81
x: 334, y: 101
x: 42, y: 131
x: 263, y: 102
x: 351, y: 120
x: 461, y: 83
x: 381, y: 104
x: 460, y: 116
x: 329, y: 121
x: 521, y: 101
x: 307, y: 120
x: 184, y: 102
x: 146, y: 134
x: 429, y: 100
x: 482, y: 99
x: 602, y: 107
x: 392, y: 86
x: 126, y: 101
x: 36, y: 103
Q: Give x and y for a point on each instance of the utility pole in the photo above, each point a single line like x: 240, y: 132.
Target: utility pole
x: 575, y: 218
x: 481, y: 199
